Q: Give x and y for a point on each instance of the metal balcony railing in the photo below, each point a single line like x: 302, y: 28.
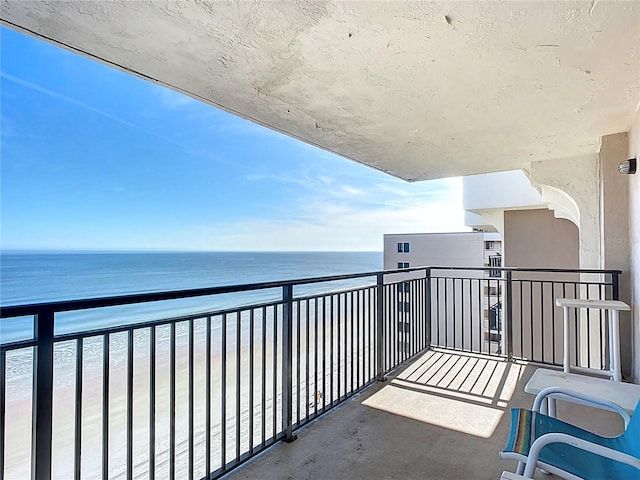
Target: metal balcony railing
x: 197, y: 394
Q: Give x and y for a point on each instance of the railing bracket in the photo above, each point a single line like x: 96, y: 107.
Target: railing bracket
x: 291, y: 439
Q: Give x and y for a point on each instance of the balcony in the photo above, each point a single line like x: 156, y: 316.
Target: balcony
x: 201, y: 392
x: 445, y: 415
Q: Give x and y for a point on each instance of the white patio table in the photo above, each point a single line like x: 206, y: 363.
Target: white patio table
x: 613, y: 307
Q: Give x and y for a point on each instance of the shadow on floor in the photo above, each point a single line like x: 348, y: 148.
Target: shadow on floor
x: 443, y: 416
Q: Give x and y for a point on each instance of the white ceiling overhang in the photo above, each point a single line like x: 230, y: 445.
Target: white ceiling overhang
x: 418, y: 89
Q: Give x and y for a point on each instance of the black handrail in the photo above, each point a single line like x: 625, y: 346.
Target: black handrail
x: 99, y: 302
x: 392, y: 325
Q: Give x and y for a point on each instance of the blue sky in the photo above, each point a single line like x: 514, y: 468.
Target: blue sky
x: 93, y: 158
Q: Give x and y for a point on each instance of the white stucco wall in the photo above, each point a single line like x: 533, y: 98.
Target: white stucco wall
x: 536, y: 239
x: 634, y: 243
x: 579, y: 178
x: 510, y: 189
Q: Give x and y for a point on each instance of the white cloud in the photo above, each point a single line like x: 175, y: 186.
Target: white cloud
x: 394, y: 190
x: 174, y: 100
x: 351, y: 190
x: 336, y: 215
x: 315, y: 224
x: 58, y: 96
x: 327, y: 180
x: 324, y: 227
x: 102, y: 113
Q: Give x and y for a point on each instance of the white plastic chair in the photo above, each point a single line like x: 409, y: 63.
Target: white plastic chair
x: 538, y: 440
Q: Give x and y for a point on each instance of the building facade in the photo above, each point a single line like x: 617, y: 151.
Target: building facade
x: 474, y: 294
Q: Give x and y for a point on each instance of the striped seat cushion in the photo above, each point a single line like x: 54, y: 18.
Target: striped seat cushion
x: 521, y: 435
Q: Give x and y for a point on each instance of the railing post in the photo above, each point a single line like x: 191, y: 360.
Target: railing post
x: 42, y: 414
x: 3, y: 370
x: 615, y: 286
x: 380, y: 327
x: 287, y: 364
x: 428, y: 307
x: 509, y: 315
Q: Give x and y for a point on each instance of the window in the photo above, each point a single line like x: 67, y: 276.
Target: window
x: 399, y: 247
x: 495, y: 322
x: 403, y: 287
x: 489, y: 245
x: 403, y: 265
x: 492, y: 291
x: 406, y: 247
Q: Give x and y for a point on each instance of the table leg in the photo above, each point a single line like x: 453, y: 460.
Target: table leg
x: 614, y: 345
x: 566, y: 354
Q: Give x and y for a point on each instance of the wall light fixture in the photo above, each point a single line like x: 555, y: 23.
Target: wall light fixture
x: 628, y: 167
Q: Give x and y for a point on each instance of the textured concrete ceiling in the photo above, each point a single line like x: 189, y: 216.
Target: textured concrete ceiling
x: 418, y: 89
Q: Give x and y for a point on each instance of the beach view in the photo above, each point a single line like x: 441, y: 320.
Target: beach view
x: 113, y: 185
x: 318, y: 240
x: 248, y: 394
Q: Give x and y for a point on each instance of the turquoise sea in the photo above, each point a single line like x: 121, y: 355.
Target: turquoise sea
x: 35, y: 277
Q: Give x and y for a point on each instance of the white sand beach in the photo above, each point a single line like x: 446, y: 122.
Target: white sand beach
x: 18, y: 424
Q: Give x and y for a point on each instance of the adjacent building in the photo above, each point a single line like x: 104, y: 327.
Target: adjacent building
x: 475, y: 295
x: 460, y: 249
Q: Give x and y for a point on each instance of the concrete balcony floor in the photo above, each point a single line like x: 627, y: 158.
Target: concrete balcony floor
x: 442, y: 416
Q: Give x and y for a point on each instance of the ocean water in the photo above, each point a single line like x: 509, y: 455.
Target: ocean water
x: 27, y: 277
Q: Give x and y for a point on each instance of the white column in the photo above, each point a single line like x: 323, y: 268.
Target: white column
x: 574, y: 184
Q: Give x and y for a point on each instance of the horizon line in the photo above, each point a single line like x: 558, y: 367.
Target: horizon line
x: 133, y: 250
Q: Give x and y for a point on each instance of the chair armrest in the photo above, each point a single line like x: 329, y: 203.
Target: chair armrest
x: 579, y: 398
x: 549, y: 438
